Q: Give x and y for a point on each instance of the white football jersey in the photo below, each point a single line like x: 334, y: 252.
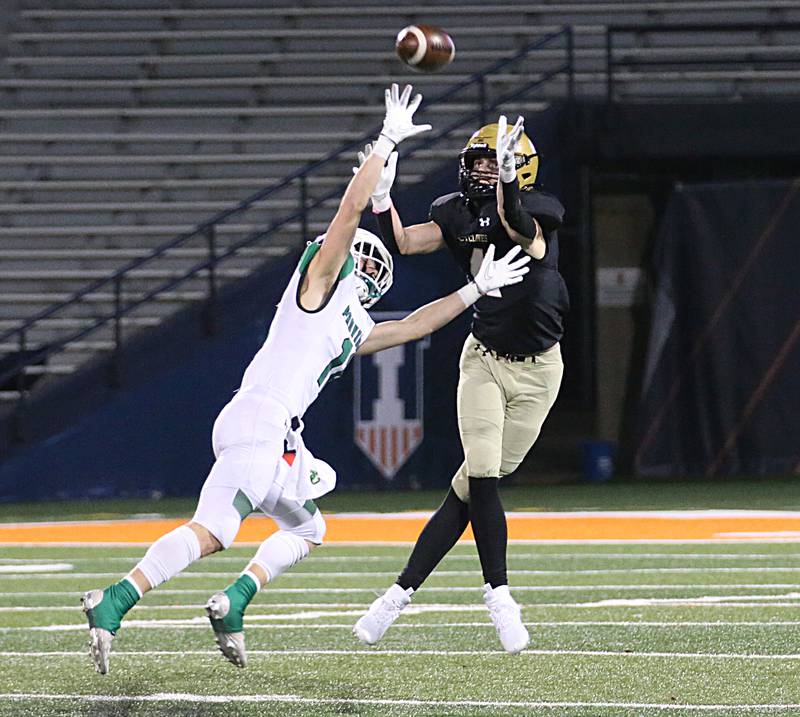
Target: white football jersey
x: 306, y: 349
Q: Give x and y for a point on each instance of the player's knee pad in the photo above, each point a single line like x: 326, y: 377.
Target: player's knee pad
x: 218, y: 513
x: 312, y: 529
x: 507, y: 467
x: 460, y: 483
x: 302, y: 519
x: 482, y: 464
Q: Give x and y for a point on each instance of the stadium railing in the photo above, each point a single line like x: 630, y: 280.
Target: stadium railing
x: 486, y: 104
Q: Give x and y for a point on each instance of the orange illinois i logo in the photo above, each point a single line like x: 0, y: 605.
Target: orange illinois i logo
x: 388, y: 402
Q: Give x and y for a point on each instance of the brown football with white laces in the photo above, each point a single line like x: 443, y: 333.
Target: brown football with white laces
x: 425, y: 48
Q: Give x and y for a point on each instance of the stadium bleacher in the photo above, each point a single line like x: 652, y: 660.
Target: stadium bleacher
x: 124, y: 124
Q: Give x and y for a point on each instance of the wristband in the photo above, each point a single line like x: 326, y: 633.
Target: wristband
x: 469, y: 293
x: 383, y: 146
x: 518, y: 219
x: 381, y: 204
x: 507, y: 174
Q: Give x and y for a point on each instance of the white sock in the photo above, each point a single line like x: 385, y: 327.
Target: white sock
x: 129, y: 579
x: 169, y: 555
x: 279, y: 552
x: 399, y: 594
x: 499, y: 594
x: 250, y: 574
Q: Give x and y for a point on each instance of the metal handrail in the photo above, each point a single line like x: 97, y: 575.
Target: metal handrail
x: 683, y: 28
x: 208, y: 226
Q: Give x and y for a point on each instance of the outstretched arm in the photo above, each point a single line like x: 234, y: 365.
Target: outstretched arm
x: 522, y: 228
x: 416, y: 239
x: 397, y: 126
x: 427, y: 319
x: 422, y: 322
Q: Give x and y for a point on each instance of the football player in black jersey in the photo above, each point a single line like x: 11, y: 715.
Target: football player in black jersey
x: 510, y: 366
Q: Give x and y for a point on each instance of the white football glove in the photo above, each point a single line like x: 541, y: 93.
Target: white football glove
x: 506, y: 146
x: 494, y: 274
x: 398, y: 123
x: 381, y: 200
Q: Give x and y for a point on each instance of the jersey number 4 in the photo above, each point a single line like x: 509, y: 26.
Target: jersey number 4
x: 337, y: 365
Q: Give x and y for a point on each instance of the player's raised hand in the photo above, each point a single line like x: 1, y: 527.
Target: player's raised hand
x: 506, y: 147
x: 381, y: 200
x: 494, y: 274
x: 399, y: 121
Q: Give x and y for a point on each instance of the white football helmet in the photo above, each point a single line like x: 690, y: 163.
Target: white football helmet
x: 373, y: 267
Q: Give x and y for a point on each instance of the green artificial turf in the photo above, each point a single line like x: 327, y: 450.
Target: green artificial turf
x: 687, y: 629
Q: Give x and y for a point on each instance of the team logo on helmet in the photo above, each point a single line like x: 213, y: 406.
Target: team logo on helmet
x: 483, y: 143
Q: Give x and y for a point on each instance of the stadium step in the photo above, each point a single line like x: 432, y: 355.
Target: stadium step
x: 270, y: 39
x: 123, y: 125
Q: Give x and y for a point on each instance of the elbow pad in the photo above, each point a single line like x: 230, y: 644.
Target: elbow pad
x: 518, y: 219
x: 386, y: 230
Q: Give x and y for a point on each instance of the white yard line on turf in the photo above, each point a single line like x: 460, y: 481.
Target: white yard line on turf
x: 35, y: 568
x: 253, y: 609
x: 727, y: 601
x: 711, y: 600
x: 303, y: 574
x: 705, y: 599
x: 516, y: 588
x: 76, y: 592
x: 267, y: 611
x: 296, y: 699
x: 372, y: 652
x: 514, y: 555
x: 202, y: 624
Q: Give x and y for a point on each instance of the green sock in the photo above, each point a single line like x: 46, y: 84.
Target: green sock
x: 244, y: 589
x: 117, y: 600
x: 240, y: 593
x: 123, y: 595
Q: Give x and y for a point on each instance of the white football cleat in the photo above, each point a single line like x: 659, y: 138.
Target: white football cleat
x: 100, y: 639
x: 372, y: 625
x: 230, y: 641
x: 507, y: 618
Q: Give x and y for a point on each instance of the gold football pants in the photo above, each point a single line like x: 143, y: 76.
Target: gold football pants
x: 502, y: 405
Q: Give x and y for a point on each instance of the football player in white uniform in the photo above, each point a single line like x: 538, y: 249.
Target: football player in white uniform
x: 261, y: 464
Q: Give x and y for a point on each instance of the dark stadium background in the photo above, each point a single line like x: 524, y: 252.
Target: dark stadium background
x: 670, y: 134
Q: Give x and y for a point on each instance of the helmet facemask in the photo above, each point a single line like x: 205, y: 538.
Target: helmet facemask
x: 474, y: 183
x: 373, y: 267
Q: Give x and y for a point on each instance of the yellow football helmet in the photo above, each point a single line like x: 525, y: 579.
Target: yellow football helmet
x: 484, y: 143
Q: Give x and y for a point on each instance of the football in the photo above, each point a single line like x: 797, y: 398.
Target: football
x: 425, y: 48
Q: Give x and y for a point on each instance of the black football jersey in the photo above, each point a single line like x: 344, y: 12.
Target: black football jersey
x: 528, y: 318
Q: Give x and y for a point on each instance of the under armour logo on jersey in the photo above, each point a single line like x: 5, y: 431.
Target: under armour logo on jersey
x: 484, y: 221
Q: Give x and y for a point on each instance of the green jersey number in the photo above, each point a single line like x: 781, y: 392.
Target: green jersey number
x: 337, y: 365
